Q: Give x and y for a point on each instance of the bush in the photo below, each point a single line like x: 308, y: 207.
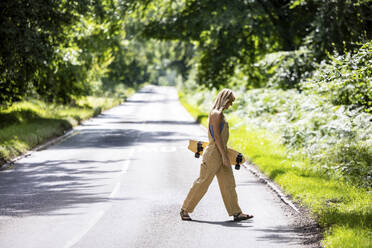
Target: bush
x: 352, y: 160
x: 345, y: 79
x: 286, y: 69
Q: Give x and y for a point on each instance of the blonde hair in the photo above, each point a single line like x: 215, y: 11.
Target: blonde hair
x: 223, y: 97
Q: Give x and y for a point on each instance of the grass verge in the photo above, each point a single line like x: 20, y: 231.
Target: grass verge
x: 27, y: 124
x: 342, y: 209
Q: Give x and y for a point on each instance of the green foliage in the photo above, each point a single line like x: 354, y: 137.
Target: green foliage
x: 231, y: 34
x: 353, y: 160
x: 29, y: 33
x: 224, y: 33
x: 317, y: 129
x: 285, y: 70
x: 137, y: 61
x: 337, y: 25
x: 345, y: 79
x: 56, y: 50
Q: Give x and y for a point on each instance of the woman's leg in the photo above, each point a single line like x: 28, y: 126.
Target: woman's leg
x: 200, y: 186
x: 226, y: 181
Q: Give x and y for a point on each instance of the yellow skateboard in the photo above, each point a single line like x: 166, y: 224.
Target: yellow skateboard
x: 197, y: 147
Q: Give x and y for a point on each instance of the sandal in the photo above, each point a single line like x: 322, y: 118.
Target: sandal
x: 184, y: 216
x: 241, y: 216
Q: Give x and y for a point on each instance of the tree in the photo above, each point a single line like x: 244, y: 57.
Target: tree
x: 240, y: 32
x: 53, y: 47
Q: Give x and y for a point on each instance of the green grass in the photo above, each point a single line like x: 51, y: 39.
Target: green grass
x: 27, y: 124
x: 199, y: 116
x: 343, y: 210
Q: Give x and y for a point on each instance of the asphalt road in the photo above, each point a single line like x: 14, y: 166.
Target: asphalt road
x: 120, y: 180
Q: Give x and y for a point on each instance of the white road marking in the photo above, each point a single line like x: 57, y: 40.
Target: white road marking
x: 115, y: 191
x: 130, y: 153
x: 162, y: 149
x: 81, y: 234
x: 168, y: 149
x: 125, y: 167
x: 98, y: 216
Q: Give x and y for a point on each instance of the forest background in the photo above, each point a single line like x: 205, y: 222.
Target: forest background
x: 301, y: 71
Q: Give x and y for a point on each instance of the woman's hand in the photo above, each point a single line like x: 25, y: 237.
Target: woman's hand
x: 226, y: 161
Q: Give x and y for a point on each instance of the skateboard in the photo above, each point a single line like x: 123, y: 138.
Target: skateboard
x: 235, y: 157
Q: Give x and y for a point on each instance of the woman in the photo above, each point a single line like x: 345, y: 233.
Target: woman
x: 216, y: 162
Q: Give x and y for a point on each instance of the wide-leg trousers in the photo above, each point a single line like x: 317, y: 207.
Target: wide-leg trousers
x: 226, y: 182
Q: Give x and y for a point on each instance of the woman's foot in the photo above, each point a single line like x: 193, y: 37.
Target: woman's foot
x: 185, y: 215
x: 241, y: 216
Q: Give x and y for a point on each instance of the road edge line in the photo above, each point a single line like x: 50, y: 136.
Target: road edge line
x: 51, y: 142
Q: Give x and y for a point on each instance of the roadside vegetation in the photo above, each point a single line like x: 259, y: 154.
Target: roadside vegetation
x: 27, y: 124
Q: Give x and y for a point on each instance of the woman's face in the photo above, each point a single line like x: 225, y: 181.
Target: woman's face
x: 230, y: 102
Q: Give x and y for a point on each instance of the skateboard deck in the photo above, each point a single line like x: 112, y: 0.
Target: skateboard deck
x: 235, y: 157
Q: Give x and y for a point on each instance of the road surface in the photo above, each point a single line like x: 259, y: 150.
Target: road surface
x: 120, y: 180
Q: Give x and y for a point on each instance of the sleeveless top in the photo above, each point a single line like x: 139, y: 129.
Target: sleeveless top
x: 211, y: 152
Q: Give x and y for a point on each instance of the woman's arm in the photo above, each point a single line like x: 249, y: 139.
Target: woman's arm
x: 215, y: 120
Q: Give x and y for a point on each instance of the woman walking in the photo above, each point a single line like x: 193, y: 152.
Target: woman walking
x: 216, y: 162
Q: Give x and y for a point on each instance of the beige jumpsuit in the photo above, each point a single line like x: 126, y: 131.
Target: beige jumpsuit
x: 212, y: 165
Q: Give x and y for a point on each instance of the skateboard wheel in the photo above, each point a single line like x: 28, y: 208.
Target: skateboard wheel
x: 239, y: 158
x: 197, y: 155
x: 200, y: 146
x: 237, y: 167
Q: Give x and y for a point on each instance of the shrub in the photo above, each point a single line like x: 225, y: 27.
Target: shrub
x: 345, y: 79
x: 286, y: 69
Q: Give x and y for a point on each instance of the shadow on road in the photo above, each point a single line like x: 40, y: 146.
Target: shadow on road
x: 51, y: 184
x: 118, y: 138
x: 160, y: 122
x: 225, y: 223
x: 281, y: 234
x: 39, y: 188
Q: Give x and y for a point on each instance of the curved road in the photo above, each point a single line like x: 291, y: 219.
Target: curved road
x: 120, y: 180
